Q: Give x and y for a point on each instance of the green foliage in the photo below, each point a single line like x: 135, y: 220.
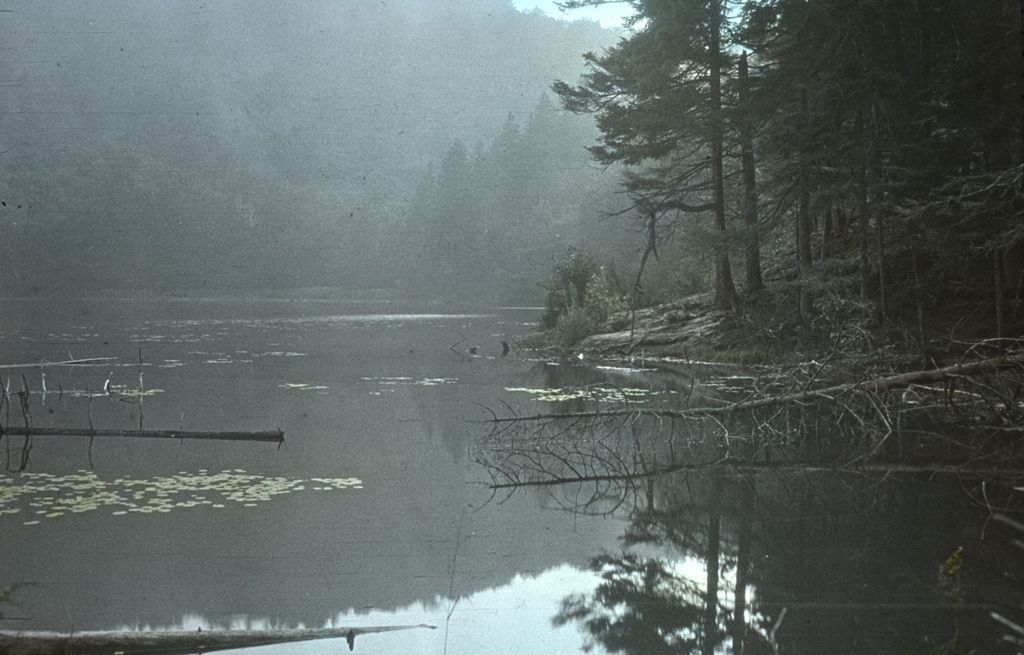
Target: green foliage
x: 685, y: 268
x: 572, y: 326
x: 603, y: 298
x: 568, y: 283
x: 900, y: 155
x: 582, y: 295
x: 477, y: 216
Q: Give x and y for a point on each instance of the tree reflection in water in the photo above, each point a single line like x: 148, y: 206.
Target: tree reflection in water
x: 640, y: 606
x: 814, y: 535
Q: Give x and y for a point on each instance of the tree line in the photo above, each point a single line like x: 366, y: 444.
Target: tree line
x: 490, y: 220
x: 868, y: 150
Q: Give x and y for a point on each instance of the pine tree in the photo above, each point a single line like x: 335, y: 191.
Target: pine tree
x: 657, y: 99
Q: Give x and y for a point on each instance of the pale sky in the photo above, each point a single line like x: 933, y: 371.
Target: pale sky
x: 609, y: 15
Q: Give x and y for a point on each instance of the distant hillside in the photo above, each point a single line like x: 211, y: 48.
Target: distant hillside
x: 195, y: 144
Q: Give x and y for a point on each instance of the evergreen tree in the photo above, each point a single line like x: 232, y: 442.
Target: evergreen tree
x: 658, y: 100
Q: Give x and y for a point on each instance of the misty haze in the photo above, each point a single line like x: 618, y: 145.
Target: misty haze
x: 494, y: 326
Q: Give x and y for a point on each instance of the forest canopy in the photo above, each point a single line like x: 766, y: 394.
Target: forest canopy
x: 868, y: 151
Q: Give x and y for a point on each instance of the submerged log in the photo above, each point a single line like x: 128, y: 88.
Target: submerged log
x: 872, y: 386
x: 272, y: 436
x: 170, y: 642
x: 743, y: 469
x: 66, y: 362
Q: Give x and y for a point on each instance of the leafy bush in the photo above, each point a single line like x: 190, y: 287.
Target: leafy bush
x: 573, y: 325
x: 582, y: 295
x: 569, y: 281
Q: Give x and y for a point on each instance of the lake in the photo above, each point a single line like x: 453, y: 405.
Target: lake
x: 376, y: 512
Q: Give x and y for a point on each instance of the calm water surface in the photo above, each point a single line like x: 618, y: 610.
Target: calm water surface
x: 373, y: 512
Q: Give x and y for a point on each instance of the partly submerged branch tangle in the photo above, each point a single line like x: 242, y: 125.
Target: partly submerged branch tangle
x: 752, y: 468
x: 874, y: 385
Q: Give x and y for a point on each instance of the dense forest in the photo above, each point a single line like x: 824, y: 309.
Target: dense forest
x: 191, y: 147
x: 853, y: 156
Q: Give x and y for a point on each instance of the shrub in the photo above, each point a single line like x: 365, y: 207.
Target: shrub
x: 568, y: 285
x: 582, y: 295
x: 573, y: 325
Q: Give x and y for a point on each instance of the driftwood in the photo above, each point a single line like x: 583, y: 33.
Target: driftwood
x: 875, y: 385
x: 272, y: 436
x: 752, y: 468
x: 172, y: 642
x: 66, y: 362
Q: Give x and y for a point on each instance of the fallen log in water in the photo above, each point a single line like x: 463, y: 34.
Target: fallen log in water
x: 741, y: 469
x: 66, y: 362
x: 272, y: 436
x: 170, y: 642
x: 872, y: 386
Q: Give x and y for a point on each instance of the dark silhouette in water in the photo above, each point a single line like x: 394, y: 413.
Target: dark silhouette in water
x: 504, y: 348
x: 350, y: 637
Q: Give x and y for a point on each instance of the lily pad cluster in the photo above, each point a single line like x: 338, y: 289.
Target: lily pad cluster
x: 417, y: 382
x: 595, y: 393
x: 388, y: 384
x: 34, y: 497
x: 303, y: 386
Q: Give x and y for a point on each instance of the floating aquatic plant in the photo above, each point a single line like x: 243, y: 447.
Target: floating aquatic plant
x: 596, y: 393
x: 303, y: 386
x: 39, y: 496
x: 418, y: 382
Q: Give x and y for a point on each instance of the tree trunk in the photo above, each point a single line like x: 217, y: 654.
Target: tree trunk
x: 1019, y: 146
x: 725, y: 289
x: 997, y: 266
x: 754, y: 279
x: 862, y: 208
x: 875, y: 184
x: 915, y: 263
x: 803, y: 228
x: 739, y: 617
x: 826, y: 232
x: 712, y: 563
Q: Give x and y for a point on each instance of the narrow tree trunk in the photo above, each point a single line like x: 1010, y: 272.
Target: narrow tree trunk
x: 924, y: 35
x: 754, y: 279
x: 875, y: 183
x: 862, y: 208
x: 725, y: 289
x: 805, y: 262
x: 826, y: 232
x: 997, y: 266
x: 1020, y: 94
x: 915, y: 263
x: 712, y: 563
x: 739, y: 617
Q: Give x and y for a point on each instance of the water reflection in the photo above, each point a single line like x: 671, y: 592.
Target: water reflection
x: 812, y: 532
x: 804, y: 566
x: 513, y: 617
x: 308, y: 556
x: 819, y: 547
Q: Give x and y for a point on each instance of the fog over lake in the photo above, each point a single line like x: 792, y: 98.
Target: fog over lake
x: 411, y: 326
